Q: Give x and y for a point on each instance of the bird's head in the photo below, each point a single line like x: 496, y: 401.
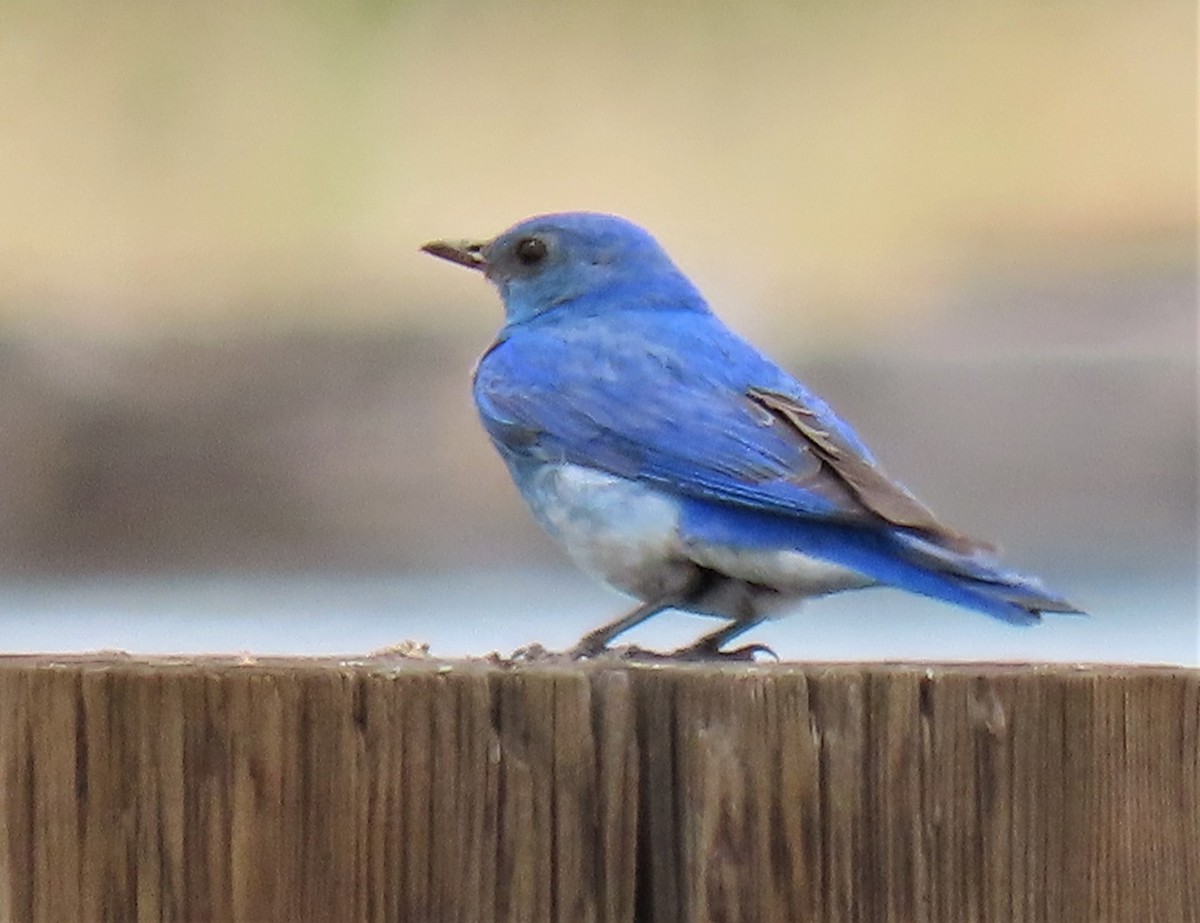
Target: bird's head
x: 548, y: 261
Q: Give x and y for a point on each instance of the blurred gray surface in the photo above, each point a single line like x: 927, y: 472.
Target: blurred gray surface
x: 1057, y: 419
x: 321, y: 491
x: 1135, y: 618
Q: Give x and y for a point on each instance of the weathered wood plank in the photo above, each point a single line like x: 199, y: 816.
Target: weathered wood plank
x: 391, y: 789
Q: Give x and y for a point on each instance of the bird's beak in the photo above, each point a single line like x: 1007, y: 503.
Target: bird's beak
x: 464, y: 252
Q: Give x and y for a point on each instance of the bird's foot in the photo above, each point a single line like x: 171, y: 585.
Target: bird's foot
x: 620, y: 652
x: 708, y: 651
x: 623, y: 652
x: 587, y: 648
x: 532, y: 653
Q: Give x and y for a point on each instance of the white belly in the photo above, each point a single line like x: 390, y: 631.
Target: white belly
x: 628, y: 534
x: 617, y: 529
x: 791, y: 573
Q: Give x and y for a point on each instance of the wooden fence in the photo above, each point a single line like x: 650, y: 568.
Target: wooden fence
x: 401, y: 789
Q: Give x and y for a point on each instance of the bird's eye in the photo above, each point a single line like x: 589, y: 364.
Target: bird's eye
x: 531, y: 251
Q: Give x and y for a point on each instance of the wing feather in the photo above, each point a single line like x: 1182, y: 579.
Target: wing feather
x: 698, y: 411
x: 863, y: 476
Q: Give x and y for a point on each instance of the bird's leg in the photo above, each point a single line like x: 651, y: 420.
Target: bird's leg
x: 709, y: 646
x: 596, y: 641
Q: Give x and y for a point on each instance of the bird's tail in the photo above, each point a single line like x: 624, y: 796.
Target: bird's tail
x: 982, y: 583
x: 896, y: 558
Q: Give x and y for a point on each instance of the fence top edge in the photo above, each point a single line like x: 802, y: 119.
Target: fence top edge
x: 393, y: 663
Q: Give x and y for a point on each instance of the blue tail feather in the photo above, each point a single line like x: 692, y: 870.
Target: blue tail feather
x: 894, y: 558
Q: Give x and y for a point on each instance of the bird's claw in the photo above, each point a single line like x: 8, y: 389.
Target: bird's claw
x: 588, y: 648
x: 707, y: 651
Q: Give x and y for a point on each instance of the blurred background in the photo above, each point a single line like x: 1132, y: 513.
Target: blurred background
x: 234, y: 397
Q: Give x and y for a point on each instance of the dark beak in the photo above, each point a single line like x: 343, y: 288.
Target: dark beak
x: 464, y: 252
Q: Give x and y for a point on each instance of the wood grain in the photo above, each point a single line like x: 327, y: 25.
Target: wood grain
x: 392, y: 789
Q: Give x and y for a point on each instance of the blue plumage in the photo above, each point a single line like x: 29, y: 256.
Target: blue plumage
x: 674, y: 460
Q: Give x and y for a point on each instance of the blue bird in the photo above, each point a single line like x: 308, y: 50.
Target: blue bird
x: 673, y: 460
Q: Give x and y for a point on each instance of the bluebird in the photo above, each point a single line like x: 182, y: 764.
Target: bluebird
x: 675, y: 461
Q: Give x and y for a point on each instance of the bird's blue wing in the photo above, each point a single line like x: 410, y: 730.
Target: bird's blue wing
x: 677, y: 399
x: 674, y: 398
